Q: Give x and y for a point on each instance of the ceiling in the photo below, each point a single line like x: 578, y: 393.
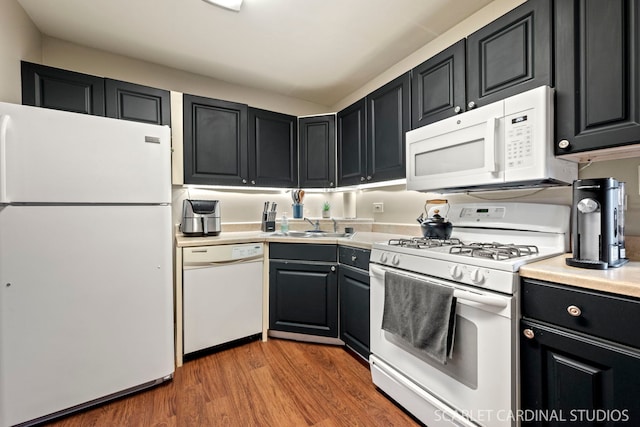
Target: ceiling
x: 315, y: 50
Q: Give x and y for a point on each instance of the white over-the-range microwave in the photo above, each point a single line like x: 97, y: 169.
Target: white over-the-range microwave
x: 504, y: 145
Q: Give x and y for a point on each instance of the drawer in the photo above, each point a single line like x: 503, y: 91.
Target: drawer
x: 611, y: 317
x: 303, y: 251
x: 358, y: 258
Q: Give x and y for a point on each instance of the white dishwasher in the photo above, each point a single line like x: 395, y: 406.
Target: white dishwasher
x: 222, y: 294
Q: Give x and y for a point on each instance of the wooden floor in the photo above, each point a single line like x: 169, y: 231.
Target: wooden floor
x: 276, y: 383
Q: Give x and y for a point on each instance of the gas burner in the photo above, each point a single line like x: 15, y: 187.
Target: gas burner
x: 496, y: 251
x: 423, y: 242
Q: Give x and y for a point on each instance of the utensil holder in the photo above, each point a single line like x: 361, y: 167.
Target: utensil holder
x: 297, y: 210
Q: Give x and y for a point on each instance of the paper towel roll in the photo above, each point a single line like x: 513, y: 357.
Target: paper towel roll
x: 349, y: 203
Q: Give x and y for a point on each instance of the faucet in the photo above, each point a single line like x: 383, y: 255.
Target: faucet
x: 316, y: 225
x: 335, y: 225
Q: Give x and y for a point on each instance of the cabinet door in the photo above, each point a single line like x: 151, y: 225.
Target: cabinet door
x: 317, y: 139
x: 597, y: 67
x: 129, y: 101
x: 510, y: 55
x: 354, y: 309
x: 388, y: 119
x: 352, y: 144
x: 273, y: 149
x: 215, y: 141
x: 438, y: 86
x: 303, y: 298
x: 564, y: 374
x: 59, y: 89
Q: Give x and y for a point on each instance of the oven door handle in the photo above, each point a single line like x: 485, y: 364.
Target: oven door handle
x: 458, y: 293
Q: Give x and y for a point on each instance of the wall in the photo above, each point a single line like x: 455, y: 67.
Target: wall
x: 19, y: 39
x: 62, y: 54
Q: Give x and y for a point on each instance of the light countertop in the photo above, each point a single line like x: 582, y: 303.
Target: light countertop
x: 361, y: 239
x: 623, y: 280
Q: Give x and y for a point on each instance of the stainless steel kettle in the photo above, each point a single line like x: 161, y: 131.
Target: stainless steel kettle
x: 200, y: 218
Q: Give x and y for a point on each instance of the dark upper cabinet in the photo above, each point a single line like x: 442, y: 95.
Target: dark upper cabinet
x: 129, y: 101
x: 273, y: 149
x: 215, y: 141
x: 511, y: 54
x: 597, y: 60
x: 438, y: 86
x: 317, y: 142
x: 352, y: 144
x: 371, y: 134
x: 388, y: 119
x: 50, y: 87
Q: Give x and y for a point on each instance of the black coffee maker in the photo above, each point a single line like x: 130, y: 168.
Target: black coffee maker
x: 598, y: 224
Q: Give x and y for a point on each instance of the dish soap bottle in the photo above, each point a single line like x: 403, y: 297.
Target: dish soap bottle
x: 284, y: 224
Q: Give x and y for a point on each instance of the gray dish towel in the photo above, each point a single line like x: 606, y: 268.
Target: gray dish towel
x: 421, y: 313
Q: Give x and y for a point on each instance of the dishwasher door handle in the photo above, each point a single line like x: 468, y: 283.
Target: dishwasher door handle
x: 193, y: 264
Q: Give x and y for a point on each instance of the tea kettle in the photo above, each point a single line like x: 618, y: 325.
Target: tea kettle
x: 435, y: 226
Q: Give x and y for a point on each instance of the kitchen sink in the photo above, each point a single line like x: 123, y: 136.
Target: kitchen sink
x: 311, y: 234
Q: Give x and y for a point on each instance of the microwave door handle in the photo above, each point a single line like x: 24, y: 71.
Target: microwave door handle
x: 490, y: 141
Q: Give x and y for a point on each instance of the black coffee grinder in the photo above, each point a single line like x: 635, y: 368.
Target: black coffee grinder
x: 598, y: 224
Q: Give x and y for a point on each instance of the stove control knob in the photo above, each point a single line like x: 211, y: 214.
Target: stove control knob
x: 395, y: 260
x: 477, y: 277
x: 456, y: 272
x: 383, y: 257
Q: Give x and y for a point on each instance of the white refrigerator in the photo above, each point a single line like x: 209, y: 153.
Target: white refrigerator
x: 86, y: 297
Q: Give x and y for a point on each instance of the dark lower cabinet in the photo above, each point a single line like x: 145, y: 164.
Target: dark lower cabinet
x: 573, y: 369
x: 273, y: 149
x: 303, y: 289
x: 511, y: 54
x: 59, y: 89
x: 129, y: 101
x: 215, y: 141
x: 597, y: 64
x: 317, y: 142
x: 354, y: 309
x: 578, y: 378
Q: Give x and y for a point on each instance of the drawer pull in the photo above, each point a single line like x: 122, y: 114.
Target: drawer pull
x: 354, y: 258
x: 574, y: 310
x: 529, y: 333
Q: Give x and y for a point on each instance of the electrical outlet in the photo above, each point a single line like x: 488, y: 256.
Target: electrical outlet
x: 378, y: 207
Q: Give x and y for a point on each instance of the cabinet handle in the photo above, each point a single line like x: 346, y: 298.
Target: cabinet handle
x: 353, y: 257
x: 253, y: 182
x: 563, y: 144
x: 457, y: 109
x: 333, y: 268
x: 528, y: 333
x: 574, y: 310
x: 362, y: 179
x: 244, y: 181
x: 369, y: 178
x: 331, y: 184
x: 471, y: 105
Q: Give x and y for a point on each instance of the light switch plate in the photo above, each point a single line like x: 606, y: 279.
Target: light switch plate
x: 378, y: 207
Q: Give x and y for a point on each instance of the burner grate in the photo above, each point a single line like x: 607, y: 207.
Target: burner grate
x: 423, y: 242
x: 496, y: 251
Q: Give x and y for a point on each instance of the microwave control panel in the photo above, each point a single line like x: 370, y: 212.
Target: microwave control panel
x: 519, y: 140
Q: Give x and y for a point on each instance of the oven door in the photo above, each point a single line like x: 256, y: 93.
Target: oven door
x: 478, y: 382
x: 461, y: 151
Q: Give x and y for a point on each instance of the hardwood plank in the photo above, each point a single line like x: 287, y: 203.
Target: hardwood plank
x: 275, y: 383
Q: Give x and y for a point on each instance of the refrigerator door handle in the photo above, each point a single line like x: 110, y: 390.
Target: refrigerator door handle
x: 4, y: 122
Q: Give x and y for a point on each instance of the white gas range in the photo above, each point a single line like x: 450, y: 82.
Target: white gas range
x: 489, y: 243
